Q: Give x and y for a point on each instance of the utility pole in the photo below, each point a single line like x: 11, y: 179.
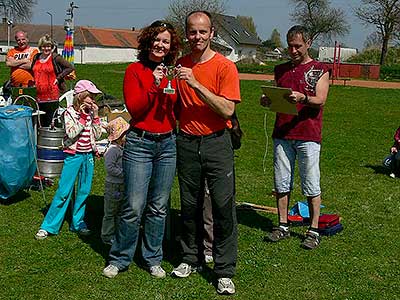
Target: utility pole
x: 69, y: 27
x: 69, y: 23
x: 51, y: 24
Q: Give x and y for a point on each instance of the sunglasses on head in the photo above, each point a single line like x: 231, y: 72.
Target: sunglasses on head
x: 161, y: 24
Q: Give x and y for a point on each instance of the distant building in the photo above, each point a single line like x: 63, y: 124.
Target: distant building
x: 91, y: 45
x: 105, y: 45
x: 325, y: 54
x: 233, y: 40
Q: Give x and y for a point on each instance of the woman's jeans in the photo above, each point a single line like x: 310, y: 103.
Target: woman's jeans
x: 149, y: 170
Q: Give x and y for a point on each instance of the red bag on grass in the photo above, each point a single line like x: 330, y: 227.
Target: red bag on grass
x: 328, y: 220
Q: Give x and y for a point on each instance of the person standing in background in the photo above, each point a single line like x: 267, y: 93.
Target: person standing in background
x: 114, y: 184
x: 19, y: 59
x: 49, y: 70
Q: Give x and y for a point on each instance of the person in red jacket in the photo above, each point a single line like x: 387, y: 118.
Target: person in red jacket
x: 149, y: 156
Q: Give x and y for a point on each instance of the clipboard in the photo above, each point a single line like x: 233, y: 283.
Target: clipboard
x: 278, y: 100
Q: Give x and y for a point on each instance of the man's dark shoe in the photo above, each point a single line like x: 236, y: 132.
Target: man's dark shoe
x: 311, y: 241
x: 277, y: 234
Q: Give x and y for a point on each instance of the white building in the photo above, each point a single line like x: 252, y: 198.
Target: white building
x: 325, y: 54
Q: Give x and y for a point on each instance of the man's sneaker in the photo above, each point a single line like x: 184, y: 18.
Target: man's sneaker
x: 277, y: 234
x: 41, y: 234
x: 84, y: 232
x: 208, y: 259
x: 392, y: 175
x: 157, y: 271
x: 225, y: 286
x: 311, y: 241
x: 110, y: 271
x: 183, y: 270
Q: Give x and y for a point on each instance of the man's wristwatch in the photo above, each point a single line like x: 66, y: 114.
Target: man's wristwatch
x: 305, y: 100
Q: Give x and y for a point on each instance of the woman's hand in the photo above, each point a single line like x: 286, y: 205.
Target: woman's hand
x: 158, y: 74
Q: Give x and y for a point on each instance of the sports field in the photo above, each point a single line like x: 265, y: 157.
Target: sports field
x: 362, y: 262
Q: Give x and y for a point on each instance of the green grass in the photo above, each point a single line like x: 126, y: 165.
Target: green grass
x: 362, y: 262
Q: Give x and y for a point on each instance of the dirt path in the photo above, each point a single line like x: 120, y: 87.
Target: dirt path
x: 352, y: 82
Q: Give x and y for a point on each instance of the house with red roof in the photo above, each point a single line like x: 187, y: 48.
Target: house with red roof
x: 91, y: 45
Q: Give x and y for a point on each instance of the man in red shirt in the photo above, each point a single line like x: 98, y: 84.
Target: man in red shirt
x: 299, y: 136
x: 19, y: 59
x: 208, y: 85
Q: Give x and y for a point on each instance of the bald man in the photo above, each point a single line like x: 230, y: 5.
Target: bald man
x: 208, y: 84
x: 19, y: 59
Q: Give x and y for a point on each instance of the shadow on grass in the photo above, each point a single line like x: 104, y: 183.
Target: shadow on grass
x: 253, y: 219
x: 18, y: 197
x: 94, y: 218
x: 378, y: 169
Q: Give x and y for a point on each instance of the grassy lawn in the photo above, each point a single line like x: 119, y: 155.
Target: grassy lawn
x: 362, y: 262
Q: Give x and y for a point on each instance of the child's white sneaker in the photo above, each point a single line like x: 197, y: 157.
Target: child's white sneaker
x: 41, y: 234
x: 392, y: 175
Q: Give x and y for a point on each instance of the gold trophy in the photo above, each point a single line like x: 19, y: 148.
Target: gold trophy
x: 169, y: 72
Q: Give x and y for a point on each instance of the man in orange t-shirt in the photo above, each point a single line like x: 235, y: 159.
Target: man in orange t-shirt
x: 208, y: 85
x: 19, y: 59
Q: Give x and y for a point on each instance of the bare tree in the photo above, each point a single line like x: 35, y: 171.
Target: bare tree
x: 321, y: 20
x: 17, y: 10
x: 179, y: 9
x: 385, y: 16
x: 373, y: 41
x: 248, y: 23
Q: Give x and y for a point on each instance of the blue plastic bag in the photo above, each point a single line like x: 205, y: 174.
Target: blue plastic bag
x: 17, y: 149
x: 301, y: 209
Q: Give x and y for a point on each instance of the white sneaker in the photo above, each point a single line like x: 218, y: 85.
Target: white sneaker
x: 110, y: 271
x: 41, y: 234
x: 392, y: 175
x: 225, y: 286
x: 208, y: 259
x: 183, y: 270
x: 157, y: 271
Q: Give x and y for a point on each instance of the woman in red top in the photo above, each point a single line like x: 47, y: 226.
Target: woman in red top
x: 149, y: 156
x: 49, y: 70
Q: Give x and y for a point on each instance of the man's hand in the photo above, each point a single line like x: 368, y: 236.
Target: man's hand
x: 296, y: 97
x: 186, y: 74
x: 393, y: 150
x: 265, y: 101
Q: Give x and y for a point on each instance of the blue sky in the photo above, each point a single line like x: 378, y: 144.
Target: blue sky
x: 267, y: 14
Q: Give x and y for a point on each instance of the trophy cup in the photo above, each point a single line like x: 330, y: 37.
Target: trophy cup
x: 169, y: 72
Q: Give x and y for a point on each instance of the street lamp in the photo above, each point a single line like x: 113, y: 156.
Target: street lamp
x: 9, y: 25
x: 51, y: 24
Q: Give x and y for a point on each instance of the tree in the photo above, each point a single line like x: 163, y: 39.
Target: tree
x: 248, y: 23
x: 179, y: 9
x: 373, y: 41
x: 321, y: 20
x: 276, y: 38
x: 385, y: 16
x: 17, y: 10
x: 274, y: 41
